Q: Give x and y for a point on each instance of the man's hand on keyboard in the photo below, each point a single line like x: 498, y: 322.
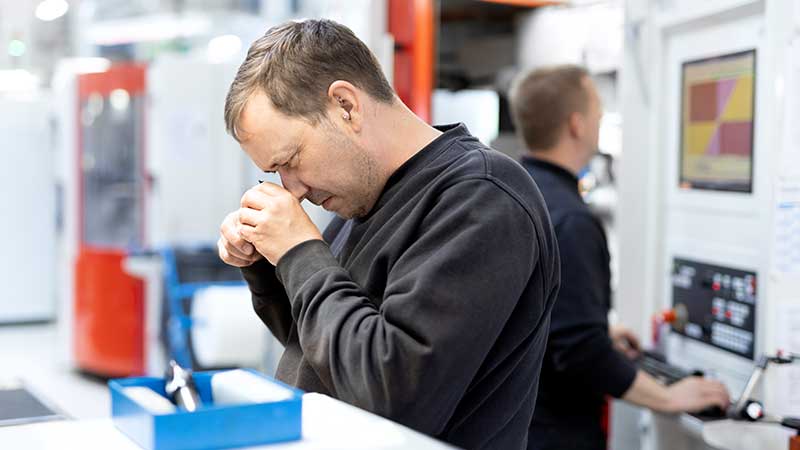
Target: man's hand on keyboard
x: 693, y: 394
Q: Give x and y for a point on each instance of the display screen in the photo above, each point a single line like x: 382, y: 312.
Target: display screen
x: 718, y: 96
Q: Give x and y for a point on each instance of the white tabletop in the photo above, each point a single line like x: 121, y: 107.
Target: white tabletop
x: 327, y: 424
x: 736, y: 434
x: 740, y: 435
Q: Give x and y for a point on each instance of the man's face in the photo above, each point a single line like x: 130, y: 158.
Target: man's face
x: 320, y: 163
x: 594, y: 114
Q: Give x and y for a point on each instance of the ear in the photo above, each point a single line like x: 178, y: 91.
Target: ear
x: 576, y: 125
x: 347, y: 106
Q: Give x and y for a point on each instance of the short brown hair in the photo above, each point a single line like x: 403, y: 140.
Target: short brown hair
x: 295, y: 63
x: 543, y: 100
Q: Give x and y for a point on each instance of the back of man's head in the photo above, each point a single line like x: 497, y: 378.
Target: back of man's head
x: 295, y: 63
x: 543, y: 100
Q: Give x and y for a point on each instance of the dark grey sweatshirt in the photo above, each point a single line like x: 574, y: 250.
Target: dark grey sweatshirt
x: 435, y: 310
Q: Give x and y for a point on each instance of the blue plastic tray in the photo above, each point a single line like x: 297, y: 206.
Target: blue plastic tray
x: 210, y: 426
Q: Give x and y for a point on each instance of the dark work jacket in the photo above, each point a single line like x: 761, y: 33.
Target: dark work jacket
x: 580, y: 366
x: 434, y: 311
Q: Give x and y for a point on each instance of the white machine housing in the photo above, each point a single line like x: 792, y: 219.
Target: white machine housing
x: 197, y: 171
x: 196, y: 174
x: 660, y: 221
x: 27, y: 202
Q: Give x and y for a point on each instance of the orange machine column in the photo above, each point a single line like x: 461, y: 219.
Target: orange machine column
x: 411, y: 23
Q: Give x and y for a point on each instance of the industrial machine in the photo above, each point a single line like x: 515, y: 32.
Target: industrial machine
x: 710, y: 205
x: 109, y: 302
x: 26, y: 270
x: 146, y: 167
x: 129, y: 167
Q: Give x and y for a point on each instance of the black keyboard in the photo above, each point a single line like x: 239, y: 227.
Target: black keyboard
x: 655, y: 365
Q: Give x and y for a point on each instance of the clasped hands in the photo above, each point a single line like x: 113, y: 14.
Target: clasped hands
x: 268, y: 224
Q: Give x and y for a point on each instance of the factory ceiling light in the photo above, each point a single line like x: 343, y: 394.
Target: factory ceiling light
x: 223, y: 48
x: 49, y: 10
x: 528, y: 3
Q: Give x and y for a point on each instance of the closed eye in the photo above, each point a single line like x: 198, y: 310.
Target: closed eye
x: 287, y: 163
x: 293, y: 158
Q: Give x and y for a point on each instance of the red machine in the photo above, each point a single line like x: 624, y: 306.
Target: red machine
x: 108, y: 302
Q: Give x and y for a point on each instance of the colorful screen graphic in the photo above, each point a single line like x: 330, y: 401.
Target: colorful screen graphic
x: 717, y: 123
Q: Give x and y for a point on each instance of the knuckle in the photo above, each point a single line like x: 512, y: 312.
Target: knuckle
x: 226, y: 225
x: 227, y: 234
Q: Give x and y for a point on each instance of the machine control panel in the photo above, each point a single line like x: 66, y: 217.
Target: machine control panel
x: 718, y: 305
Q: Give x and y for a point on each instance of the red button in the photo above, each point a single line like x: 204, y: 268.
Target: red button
x: 728, y: 314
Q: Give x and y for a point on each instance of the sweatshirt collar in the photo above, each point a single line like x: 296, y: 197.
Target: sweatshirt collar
x: 450, y: 134
x: 562, y: 174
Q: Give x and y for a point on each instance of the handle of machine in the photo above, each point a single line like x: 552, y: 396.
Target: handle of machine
x: 791, y: 422
x: 752, y: 410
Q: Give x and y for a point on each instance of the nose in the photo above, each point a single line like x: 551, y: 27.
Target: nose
x: 293, y: 184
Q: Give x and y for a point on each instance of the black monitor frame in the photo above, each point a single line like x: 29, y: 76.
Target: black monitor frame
x: 685, y: 183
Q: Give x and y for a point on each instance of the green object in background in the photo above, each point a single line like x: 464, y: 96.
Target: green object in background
x: 178, y: 46
x: 16, y: 48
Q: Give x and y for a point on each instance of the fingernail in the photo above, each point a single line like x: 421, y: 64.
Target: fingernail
x: 248, y: 249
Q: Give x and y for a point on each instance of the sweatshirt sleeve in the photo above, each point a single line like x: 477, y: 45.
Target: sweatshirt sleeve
x: 579, y: 346
x: 269, y: 298
x: 447, y: 299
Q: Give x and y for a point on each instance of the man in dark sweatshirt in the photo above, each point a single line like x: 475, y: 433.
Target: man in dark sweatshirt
x: 428, y: 300
x: 557, y: 112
